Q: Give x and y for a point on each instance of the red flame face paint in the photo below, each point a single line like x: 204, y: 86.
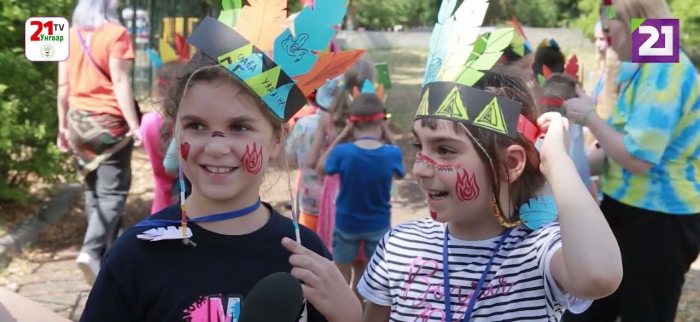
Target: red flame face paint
x: 466, y: 186
x: 252, y: 159
x: 609, y: 39
x: 185, y: 150
x: 217, y: 134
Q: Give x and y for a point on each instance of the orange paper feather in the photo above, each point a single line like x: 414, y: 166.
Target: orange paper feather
x: 261, y: 21
x: 328, y: 67
x: 546, y: 72
x: 572, y: 67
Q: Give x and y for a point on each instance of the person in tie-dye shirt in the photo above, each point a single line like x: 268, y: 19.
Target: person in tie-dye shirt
x: 651, y: 180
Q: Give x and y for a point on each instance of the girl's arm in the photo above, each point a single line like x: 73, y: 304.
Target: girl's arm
x: 596, y: 160
x: 376, y: 313
x: 588, y: 265
x: 62, y: 96
x: 317, y: 145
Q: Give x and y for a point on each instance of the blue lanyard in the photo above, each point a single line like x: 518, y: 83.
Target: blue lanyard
x: 477, y: 290
x: 367, y: 138
x: 210, y: 218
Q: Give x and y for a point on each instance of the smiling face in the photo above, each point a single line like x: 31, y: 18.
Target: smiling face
x: 448, y: 169
x: 225, y: 142
x: 601, y: 43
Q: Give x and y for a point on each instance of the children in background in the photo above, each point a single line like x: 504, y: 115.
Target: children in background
x: 331, y: 124
x: 151, y: 131
x: 366, y: 168
x: 557, y: 89
x: 548, y: 56
x: 198, y: 260
x: 310, y: 183
x: 477, y: 164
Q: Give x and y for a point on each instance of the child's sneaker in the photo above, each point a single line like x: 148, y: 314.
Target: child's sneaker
x: 89, y: 266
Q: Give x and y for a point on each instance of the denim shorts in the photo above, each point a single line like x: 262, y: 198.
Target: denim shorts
x: 346, y: 245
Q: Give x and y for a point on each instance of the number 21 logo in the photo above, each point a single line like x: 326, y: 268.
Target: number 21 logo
x: 655, y: 40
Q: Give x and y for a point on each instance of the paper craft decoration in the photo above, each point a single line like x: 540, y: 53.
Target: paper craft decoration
x: 230, y: 11
x: 167, y: 53
x: 458, y: 59
x: 538, y: 212
x: 383, y: 75
x: 282, y: 67
x: 164, y: 233
x: 520, y: 43
x: 571, y: 68
x: 369, y: 87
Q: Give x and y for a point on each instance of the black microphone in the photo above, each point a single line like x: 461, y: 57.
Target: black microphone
x: 276, y: 298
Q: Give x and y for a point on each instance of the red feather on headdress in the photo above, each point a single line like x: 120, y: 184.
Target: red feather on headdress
x: 572, y: 67
x: 182, y: 49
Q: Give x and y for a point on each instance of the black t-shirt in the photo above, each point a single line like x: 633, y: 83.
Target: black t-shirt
x: 167, y: 281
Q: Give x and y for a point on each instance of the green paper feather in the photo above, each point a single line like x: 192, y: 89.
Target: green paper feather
x: 230, y: 12
x: 541, y: 79
x: 497, y: 41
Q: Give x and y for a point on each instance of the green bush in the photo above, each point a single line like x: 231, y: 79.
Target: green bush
x: 28, y: 121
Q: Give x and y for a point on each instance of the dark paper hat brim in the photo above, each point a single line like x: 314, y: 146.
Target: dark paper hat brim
x: 220, y: 42
x: 457, y: 102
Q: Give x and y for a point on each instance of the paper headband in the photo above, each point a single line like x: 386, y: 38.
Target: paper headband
x: 457, y: 60
x: 280, y: 65
x: 167, y: 54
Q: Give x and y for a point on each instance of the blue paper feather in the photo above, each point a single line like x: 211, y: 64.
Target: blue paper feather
x: 367, y: 87
x: 154, y: 58
x: 312, y: 32
x: 439, y: 39
x: 538, y: 212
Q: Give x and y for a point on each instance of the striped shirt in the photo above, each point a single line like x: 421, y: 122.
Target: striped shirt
x: 406, y: 274
x: 658, y: 113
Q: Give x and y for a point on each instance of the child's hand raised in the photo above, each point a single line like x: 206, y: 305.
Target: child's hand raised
x: 324, y: 286
x: 556, y: 141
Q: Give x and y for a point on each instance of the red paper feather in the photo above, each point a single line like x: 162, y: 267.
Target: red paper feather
x: 182, y: 49
x: 546, y: 72
x: 572, y: 67
x: 327, y: 67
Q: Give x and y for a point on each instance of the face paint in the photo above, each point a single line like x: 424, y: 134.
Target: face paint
x: 217, y: 134
x: 185, y: 150
x: 433, y: 214
x: 252, y: 160
x: 466, y: 186
x: 424, y: 159
x: 609, y: 39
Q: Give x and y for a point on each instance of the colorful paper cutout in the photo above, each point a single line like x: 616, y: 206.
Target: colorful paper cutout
x: 313, y: 32
x: 491, y: 117
x: 234, y: 56
x: 167, y: 53
x: 249, y: 66
x: 423, y: 105
x: 230, y: 12
x: 328, y: 66
x: 265, y: 82
x: 383, y: 75
x: 481, y: 108
x: 438, y: 40
x: 277, y: 99
x: 453, y: 107
x: 497, y: 41
x: 465, y: 31
x: 261, y: 21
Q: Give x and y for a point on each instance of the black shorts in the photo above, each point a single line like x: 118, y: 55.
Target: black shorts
x: 657, y: 250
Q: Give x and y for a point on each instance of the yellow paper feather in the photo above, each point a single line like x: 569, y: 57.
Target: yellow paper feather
x: 261, y: 21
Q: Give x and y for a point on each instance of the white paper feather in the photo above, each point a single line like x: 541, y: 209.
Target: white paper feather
x: 468, y: 20
x: 164, y: 233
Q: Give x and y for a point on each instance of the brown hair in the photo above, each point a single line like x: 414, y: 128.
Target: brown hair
x: 366, y: 104
x: 201, y: 69
x: 353, y: 78
x: 531, y: 181
x: 166, y: 75
x: 551, y: 57
x: 561, y: 86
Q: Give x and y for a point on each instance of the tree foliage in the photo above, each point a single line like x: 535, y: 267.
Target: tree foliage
x: 28, y: 121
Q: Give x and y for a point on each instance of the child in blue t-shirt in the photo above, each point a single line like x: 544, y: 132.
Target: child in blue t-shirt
x: 366, y: 168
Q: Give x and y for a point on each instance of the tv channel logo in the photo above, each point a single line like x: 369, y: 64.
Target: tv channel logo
x: 46, y: 39
x: 655, y: 40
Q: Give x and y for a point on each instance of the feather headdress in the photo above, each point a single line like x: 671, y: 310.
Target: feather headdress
x: 458, y: 59
x: 281, y: 64
x: 167, y: 53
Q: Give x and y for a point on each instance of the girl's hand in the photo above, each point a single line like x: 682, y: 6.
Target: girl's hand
x: 62, y: 141
x: 578, y: 108
x: 324, y: 285
x: 556, y: 141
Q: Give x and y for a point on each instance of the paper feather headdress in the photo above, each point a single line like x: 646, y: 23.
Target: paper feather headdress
x: 281, y: 64
x: 458, y: 59
x: 571, y: 68
x: 167, y: 53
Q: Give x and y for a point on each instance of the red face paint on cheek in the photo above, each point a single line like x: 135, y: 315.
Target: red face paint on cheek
x: 466, y: 186
x: 433, y: 214
x: 252, y: 159
x: 185, y: 150
x: 609, y: 39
